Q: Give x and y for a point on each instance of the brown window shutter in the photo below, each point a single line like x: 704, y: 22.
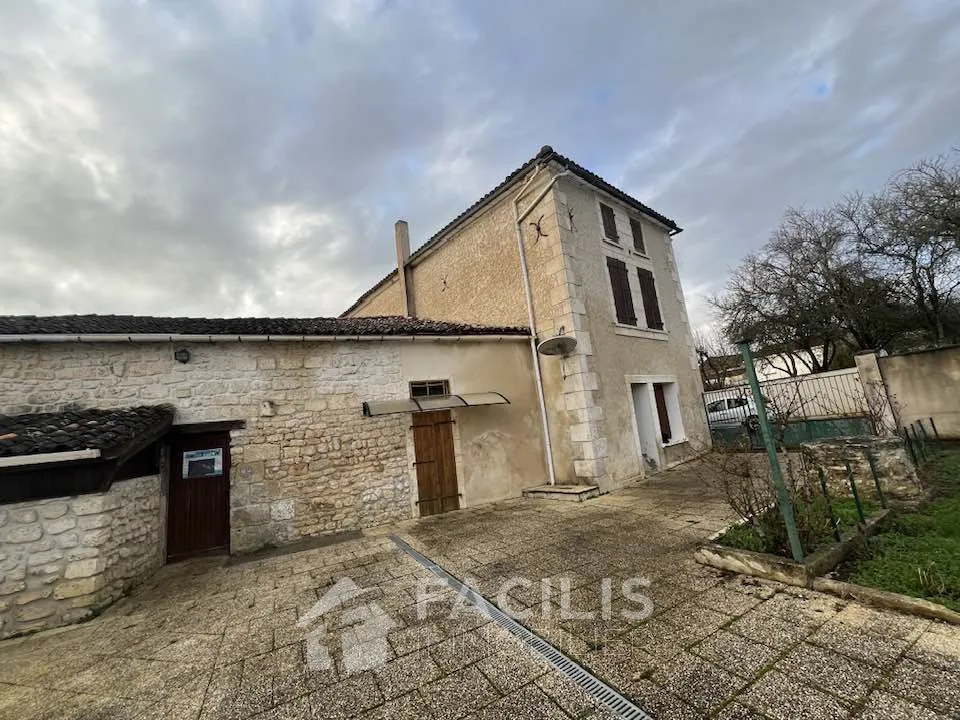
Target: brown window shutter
x: 609, y: 223
x: 662, y: 413
x: 636, y: 229
x: 622, y: 299
x: 648, y: 292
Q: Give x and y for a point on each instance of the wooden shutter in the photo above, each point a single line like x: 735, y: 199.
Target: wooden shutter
x: 636, y: 229
x: 622, y: 299
x: 609, y: 223
x: 662, y: 413
x: 648, y: 292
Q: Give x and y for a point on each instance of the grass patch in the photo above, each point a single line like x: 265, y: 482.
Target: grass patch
x: 918, y: 552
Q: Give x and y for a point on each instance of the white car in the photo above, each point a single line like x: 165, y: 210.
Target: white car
x: 733, y: 411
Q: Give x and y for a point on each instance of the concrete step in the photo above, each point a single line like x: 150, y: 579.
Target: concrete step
x: 570, y: 493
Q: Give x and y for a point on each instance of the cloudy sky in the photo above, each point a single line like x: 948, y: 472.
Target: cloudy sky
x: 250, y: 156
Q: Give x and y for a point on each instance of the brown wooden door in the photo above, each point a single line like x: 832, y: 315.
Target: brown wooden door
x: 436, y: 464
x: 198, y: 506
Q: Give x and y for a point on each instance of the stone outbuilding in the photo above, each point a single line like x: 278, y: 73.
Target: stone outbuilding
x: 256, y: 432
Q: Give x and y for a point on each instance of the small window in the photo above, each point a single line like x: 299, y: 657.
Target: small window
x: 429, y: 388
x: 609, y: 223
x: 737, y: 402
x: 636, y: 229
x: 717, y: 406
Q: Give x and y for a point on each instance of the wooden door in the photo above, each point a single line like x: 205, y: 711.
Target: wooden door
x: 436, y: 464
x: 198, y: 505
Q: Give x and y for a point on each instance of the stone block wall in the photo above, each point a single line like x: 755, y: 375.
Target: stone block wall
x: 898, y: 476
x: 65, y: 558
x: 306, y: 462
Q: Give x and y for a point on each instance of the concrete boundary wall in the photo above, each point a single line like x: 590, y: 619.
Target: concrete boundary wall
x: 925, y: 384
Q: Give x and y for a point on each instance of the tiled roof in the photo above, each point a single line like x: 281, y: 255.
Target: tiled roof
x: 145, y: 325
x: 104, y: 430
x: 546, y: 154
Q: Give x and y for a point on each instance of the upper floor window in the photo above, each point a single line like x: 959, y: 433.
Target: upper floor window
x: 648, y: 294
x: 636, y: 229
x: 609, y: 223
x: 628, y: 293
x: 622, y: 297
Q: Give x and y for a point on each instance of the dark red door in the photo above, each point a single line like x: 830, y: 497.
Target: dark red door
x: 436, y: 462
x: 198, y: 506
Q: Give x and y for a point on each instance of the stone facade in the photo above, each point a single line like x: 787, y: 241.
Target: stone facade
x: 306, y: 461
x: 473, y: 275
x: 897, y: 473
x: 64, y: 559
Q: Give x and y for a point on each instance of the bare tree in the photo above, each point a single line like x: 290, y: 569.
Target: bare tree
x: 911, y: 232
x: 808, y: 292
x: 715, y: 356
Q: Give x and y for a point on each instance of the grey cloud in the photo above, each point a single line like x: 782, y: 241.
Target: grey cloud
x: 210, y: 158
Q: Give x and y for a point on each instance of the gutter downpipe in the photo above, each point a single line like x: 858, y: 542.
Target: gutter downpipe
x: 531, y: 317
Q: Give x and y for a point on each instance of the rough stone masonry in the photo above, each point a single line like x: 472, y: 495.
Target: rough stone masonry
x: 65, y: 558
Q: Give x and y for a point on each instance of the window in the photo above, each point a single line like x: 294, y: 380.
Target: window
x: 620, y: 284
x: 737, y: 402
x: 662, y: 414
x: 717, y: 406
x: 636, y: 229
x: 429, y: 388
x: 648, y: 293
x: 609, y: 223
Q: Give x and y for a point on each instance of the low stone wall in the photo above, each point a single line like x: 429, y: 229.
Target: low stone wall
x: 898, y: 476
x: 64, y: 558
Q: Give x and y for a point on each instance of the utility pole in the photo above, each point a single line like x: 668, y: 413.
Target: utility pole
x: 766, y: 432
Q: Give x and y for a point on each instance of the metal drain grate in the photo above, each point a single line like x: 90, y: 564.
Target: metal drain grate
x: 587, y: 681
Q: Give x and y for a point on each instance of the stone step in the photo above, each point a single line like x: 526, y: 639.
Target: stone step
x: 570, y: 493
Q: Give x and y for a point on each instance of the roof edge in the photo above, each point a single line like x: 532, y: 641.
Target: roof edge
x: 545, y: 155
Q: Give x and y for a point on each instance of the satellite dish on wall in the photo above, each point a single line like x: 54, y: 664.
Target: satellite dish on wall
x: 559, y: 345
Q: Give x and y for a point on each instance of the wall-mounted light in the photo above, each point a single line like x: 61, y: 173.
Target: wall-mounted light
x: 182, y: 355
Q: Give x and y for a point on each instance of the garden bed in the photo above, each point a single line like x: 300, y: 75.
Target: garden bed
x: 907, y: 558
x: 918, y: 552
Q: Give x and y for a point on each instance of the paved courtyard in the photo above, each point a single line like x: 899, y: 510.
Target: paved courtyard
x: 210, y: 639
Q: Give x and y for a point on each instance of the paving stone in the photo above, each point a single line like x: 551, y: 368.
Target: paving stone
x: 460, y: 650
x: 512, y: 669
x: 937, y: 689
x: 406, y: 673
x: 411, y: 706
x: 736, y: 711
x: 346, y: 699
x: 735, y: 653
x: 527, y: 702
x: 458, y: 694
x: 938, y: 646
x: 770, y: 630
x: 697, y: 682
x: 830, y: 671
x: 883, y: 706
x: 659, y: 703
x: 415, y: 637
x: 779, y: 697
x: 859, y: 644
x: 723, y: 599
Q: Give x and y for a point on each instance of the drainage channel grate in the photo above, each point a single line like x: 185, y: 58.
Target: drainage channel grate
x: 587, y: 681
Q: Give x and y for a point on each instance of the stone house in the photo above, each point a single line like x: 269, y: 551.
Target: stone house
x: 558, y: 249
x: 265, y: 432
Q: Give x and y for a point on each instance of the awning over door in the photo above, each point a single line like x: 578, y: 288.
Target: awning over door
x: 434, y: 402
